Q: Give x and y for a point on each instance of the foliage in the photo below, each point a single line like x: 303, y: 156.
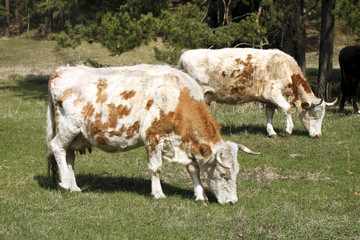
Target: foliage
x: 71, y: 37
x: 3, y: 12
x: 245, y: 31
x: 349, y: 11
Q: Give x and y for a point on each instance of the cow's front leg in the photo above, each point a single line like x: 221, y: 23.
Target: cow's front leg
x: 199, y: 190
x: 353, y: 101
x: 286, y: 108
x: 269, y: 111
x: 289, y: 124
x: 155, y: 162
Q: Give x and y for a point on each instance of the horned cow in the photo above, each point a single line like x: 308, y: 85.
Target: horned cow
x: 121, y: 108
x: 349, y: 60
x: 235, y: 75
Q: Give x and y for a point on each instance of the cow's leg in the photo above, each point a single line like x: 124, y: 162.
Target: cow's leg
x: 70, y: 159
x: 286, y: 108
x: 59, y: 145
x: 199, y: 190
x: 353, y: 101
x: 342, y: 102
x: 155, y: 162
x: 269, y: 111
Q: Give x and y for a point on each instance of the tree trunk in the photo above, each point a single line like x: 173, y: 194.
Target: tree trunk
x: 49, y: 23
x: 7, y: 19
x: 326, y: 50
x: 300, y: 36
x: 18, y: 17
x: 295, y: 33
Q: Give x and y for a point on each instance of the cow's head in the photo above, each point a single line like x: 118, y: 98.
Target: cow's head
x: 312, y: 114
x: 220, y: 169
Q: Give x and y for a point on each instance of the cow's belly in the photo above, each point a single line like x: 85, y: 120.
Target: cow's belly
x: 118, y: 144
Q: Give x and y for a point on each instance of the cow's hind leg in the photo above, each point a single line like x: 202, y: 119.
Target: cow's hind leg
x: 70, y: 160
x: 269, y: 111
x: 155, y: 162
x: 59, y: 145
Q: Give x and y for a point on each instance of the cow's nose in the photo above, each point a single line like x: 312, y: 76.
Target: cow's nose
x: 317, y: 135
x: 233, y: 202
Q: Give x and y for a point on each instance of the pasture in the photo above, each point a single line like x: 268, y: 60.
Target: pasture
x: 298, y: 188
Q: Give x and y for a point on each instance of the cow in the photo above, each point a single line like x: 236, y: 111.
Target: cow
x: 349, y: 60
x: 234, y: 75
x: 117, y: 109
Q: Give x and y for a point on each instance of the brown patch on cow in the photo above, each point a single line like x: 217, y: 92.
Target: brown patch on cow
x: 223, y: 74
x: 101, y: 94
x: 130, y: 132
x: 244, y: 77
x: 88, y: 110
x: 96, y: 129
x: 118, y: 133
x: 149, y: 104
x: 76, y: 101
x: 101, y: 139
x: 52, y: 77
x: 297, y: 81
x: 128, y: 94
x: 191, y: 120
x: 116, y: 113
x: 65, y: 94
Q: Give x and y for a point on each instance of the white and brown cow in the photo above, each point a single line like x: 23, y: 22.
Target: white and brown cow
x: 235, y: 75
x: 122, y: 108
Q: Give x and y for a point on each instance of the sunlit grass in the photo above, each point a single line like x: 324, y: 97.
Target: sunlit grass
x: 298, y: 188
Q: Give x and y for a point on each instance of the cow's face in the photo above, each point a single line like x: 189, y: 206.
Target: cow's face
x: 312, y: 116
x: 220, y: 171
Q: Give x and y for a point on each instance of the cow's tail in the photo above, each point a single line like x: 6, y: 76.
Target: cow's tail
x: 50, y: 134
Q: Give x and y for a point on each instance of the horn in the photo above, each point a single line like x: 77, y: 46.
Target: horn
x: 245, y: 149
x: 219, y: 161
x: 317, y: 104
x: 331, y: 103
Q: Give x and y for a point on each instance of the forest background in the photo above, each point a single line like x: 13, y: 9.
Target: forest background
x: 293, y: 26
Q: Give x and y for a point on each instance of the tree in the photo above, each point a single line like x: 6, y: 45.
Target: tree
x: 326, y: 50
x: 7, y: 19
x: 348, y: 10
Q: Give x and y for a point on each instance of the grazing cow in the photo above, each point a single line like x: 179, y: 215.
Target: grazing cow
x: 349, y: 59
x: 122, y: 108
x: 269, y: 76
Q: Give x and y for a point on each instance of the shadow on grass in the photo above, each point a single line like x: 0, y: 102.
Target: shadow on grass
x: 257, y: 129
x: 28, y: 87
x: 101, y: 183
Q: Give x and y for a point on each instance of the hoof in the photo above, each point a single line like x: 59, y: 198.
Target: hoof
x: 203, y: 203
x: 287, y: 135
x: 158, y: 195
x: 273, y: 136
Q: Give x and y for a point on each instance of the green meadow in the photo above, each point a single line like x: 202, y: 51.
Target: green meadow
x: 298, y: 188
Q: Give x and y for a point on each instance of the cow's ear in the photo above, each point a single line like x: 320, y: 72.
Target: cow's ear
x: 205, y: 149
x: 305, y: 105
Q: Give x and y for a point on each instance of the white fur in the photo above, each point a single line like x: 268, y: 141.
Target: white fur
x: 216, y: 71
x: 74, y: 88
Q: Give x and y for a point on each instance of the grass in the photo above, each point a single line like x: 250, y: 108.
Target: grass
x: 298, y: 188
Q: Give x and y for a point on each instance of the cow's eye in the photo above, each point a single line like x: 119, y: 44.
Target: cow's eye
x: 225, y: 174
